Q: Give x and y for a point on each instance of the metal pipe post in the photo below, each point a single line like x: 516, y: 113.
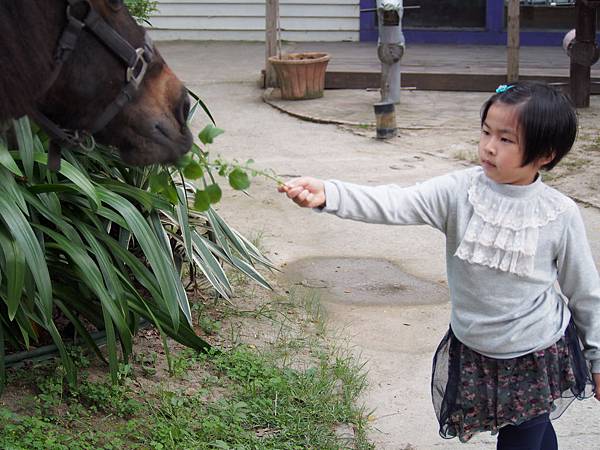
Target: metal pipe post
x: 390, y: 47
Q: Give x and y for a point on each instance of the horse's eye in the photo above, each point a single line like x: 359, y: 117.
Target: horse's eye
x: 115, y: 4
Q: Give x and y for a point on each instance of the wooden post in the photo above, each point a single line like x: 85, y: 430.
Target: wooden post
x: 583, y: 54
x: 271, y: 35
x: 512, y: 44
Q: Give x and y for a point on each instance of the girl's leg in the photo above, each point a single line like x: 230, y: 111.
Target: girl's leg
x: 535, y: 434
x: 550, y: 441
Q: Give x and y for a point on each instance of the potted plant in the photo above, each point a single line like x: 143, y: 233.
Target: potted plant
x: 301, y: 75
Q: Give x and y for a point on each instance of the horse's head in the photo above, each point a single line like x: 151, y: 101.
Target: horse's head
x: 149, y: 128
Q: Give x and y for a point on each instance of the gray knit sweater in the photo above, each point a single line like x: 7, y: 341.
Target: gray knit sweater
x: 507, y: 246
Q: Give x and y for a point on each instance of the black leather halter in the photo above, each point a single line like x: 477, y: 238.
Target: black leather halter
x: 136, y: 60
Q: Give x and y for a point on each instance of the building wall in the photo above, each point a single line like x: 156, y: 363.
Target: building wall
x: 244, y: 20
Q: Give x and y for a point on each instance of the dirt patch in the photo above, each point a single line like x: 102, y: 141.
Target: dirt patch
x: 364, y: 281
x: 577, y: 174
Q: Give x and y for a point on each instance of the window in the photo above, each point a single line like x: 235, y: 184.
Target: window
x: 559, y: 15
x: 445, y: 14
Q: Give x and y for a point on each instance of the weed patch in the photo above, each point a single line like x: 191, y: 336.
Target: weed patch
x: 290, y: 392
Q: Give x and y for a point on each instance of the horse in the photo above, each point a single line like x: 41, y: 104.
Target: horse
x: 82, y: 67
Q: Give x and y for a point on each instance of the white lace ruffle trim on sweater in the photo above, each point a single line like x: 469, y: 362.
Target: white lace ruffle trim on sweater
x: 503, y: 231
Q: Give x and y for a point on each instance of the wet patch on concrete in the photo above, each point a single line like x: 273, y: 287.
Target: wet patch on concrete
x: 363, y: 281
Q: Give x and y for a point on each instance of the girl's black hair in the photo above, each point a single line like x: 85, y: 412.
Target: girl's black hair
x: 546, y: 116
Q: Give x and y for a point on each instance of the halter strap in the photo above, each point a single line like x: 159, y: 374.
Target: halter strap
x: 134, y: 77
x: 137, y: 61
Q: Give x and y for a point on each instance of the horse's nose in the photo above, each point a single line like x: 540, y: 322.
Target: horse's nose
x: 182, y: 109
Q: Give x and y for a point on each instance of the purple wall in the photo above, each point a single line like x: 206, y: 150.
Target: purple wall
x: 493, y: 34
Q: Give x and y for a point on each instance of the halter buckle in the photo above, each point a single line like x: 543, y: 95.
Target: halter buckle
x: 136, y: 72
x: 79, y: 22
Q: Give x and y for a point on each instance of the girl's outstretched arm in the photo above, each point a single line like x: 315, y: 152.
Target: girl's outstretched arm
x: 427, y: 203
x: 307, y: 192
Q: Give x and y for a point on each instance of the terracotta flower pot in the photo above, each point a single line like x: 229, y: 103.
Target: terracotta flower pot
x: 301, y: 75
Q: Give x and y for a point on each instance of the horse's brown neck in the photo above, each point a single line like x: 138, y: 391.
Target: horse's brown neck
x: 30, y: 29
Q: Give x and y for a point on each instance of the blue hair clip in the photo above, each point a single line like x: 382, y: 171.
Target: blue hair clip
x: 503, y: 88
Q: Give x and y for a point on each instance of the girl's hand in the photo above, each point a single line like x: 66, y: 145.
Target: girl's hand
x: 597, y: 381
x: 305, y: 191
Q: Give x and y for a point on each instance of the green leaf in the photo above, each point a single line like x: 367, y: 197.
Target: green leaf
x: 184, y: 334
x: 210, y: 267
x: 25, y: 327
x: 57, y: 219
x: 26, y: 239
x: 2, y: 359
x: 24, y: 136
x: 91, y: 275
x: 9, y: 185
x: 174, y: 296
x: 105, y: 264
x: 64, y: 356
x: 235, y: 262
x: 15, y: 273
x: 195, y: 106
x: 109, y: 214
x: 148, y: 200
x: 251, y: 272
x: 201, y: 201
x: 221, y: 235
x: 171, y: 194
x: 195, y: 150
x: 226, y: 234
x: 159, y: 182
x: 51, y: 201
x: 252, y: 253
x: 214, y: 193
x: 183, y: 219
x: 238, y: 179
x: 209, y: 133
x: 140, y: 272
x: 184, y: 160
x: 79, y: 178
x: 81, y: 329
x: 111, y: 344
x: 193, y: 171
x: 7, y: 160
x: 161, y: 234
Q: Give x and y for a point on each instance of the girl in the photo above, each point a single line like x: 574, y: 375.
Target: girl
x: 512, y: 358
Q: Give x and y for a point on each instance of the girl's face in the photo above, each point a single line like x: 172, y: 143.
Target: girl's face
x: 501, y: 148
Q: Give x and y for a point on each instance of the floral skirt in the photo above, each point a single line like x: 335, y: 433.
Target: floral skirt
x: 473, y: 393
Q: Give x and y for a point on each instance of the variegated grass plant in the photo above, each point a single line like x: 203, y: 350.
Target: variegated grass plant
x: 105, y: 246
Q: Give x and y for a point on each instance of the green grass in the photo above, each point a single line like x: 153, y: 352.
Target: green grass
x: 470, y: 156
x: 289, y: 394
x: 589, y: 142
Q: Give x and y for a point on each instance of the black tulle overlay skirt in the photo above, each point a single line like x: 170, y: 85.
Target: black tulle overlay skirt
x: 473, y: 393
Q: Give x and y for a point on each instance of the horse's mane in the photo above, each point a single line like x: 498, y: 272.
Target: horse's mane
x: 25, y: 52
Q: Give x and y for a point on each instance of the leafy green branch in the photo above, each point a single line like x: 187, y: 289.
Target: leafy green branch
x: 197, y: 165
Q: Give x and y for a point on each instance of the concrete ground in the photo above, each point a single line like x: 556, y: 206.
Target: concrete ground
x: 384, y: 287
